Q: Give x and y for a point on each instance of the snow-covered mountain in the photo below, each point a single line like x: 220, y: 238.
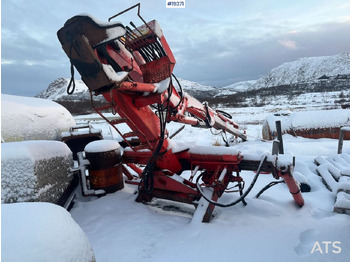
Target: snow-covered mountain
x: 306, y: 69
x: 237, y: 87
x: 195, y: 89
x: 309, y: 74
x: 302, y: 70
x: 57, y: 90
x: 79, y: 101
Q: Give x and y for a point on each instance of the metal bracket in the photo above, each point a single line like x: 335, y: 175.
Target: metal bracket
x: 82, y: 168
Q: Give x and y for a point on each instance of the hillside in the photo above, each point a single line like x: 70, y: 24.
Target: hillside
x: 80, y: 103
x: 325, y: 75
x: 301, y: 71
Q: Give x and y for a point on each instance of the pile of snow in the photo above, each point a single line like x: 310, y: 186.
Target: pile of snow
x: 35, y: 171
x: 27, y: 118
x: 113, y: 75
x: 101, y: 146
x: 42, y: 232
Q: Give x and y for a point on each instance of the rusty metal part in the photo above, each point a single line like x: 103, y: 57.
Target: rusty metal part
x: 105, y: 170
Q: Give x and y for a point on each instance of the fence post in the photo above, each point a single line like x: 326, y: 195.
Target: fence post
x: 341, y: 138
x: 279, y: 136
x: 275, y: 147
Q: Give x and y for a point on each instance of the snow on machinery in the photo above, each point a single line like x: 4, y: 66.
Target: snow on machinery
x: 132, y: 68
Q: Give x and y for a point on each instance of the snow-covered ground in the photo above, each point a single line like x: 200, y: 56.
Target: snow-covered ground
x: 270, y: 228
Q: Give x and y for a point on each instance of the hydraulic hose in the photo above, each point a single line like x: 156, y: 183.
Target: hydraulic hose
x: 241, y: 198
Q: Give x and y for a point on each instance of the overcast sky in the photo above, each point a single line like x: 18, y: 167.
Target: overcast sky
x: 214, y: 42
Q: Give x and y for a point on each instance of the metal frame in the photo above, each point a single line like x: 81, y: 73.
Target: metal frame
x: 132, y: 100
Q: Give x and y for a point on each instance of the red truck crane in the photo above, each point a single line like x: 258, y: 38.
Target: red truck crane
x: 132, y: 68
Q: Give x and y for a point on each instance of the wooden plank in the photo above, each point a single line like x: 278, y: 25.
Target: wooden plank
x: 342, y: 204
x: 327, y: 177
x: 344, y: 184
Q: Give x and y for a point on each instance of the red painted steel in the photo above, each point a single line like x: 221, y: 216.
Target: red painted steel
x: 293, y: 187
x: 150, y: 62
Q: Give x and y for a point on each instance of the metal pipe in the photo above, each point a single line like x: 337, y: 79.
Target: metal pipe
x: 144, y: 48
x: 341, y: 138
x: 155, y: 46
x: 293, y: 187
x: 144, y: 54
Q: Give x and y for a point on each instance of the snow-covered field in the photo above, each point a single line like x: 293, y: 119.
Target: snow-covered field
x: 270, y: 228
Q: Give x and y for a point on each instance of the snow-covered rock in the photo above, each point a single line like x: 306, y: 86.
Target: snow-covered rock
x: 35, y: 232
x: 28, y: 118
x: 35, y: 171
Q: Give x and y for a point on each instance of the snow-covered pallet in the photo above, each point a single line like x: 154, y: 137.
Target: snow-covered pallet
x: 335, y: 173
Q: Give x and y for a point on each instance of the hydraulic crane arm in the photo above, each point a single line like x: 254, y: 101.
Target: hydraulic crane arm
x: 132, y: 69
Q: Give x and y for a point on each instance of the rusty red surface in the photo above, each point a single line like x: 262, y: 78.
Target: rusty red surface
x: 314, y: 133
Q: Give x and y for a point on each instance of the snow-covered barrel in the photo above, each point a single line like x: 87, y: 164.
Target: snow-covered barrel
x: 105, y: 171
x: 309, y: 124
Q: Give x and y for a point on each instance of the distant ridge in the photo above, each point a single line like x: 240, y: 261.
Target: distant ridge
x: 302, y: 70
x: 57, y: 90
x: 304, y: 75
